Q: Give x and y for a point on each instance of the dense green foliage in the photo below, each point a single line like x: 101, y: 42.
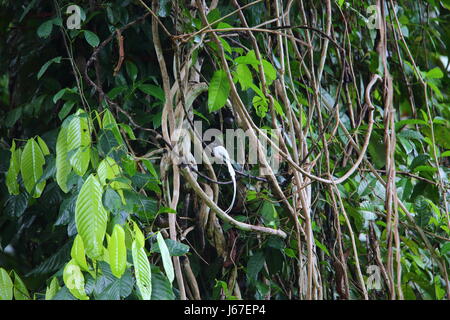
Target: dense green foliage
x: 94, y: 205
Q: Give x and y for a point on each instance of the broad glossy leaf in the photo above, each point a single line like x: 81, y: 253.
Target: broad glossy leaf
x: 269, y: 71
x: 91, y: 217
x: 77, y: 253
x: 167, y: 260
x: 78, y: 139
x: 161, y: 287
x: 13, y: 171
x: 138, y: 236
x: 43, y: 146
x: 20, y: 290
x: 31, y: 167
x: 63, y: 167
x: 142, y: 271
x: 6, y: 285
x: 244, y: 76
x: 74, y: 280
x: 117, y: 251
x: 218, y: 90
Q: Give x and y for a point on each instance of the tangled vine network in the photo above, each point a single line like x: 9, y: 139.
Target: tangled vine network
x: 347, y: 97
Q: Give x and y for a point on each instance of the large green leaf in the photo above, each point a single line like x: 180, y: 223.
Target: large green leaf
x: 77, y: 253
x: 91, y: 217
x: 31, y: 167
x: 108, y: 287
x: 74, y: 280
x: 142, y: 271
x: 6, y: 285
x: 162, y: 288
x: 166, y: 259
x: 218, y: 90
x: 63, y: 167
x: 78, y: 138
x: 13, y: 171
x: 20, y: 290
x: 117, y: 251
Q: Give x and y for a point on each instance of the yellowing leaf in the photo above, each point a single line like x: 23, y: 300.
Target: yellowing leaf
x: 77, y: 253
x: 74, y: 280
x: 117, y: 251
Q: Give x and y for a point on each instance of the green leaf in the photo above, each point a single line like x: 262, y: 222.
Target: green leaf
x: 52, y: 289
x: 270, y: 215
x: 45, y: 29
x: 46, y: 65
x: 250, y: 58
x: 218, y: 91
x: 142, y: 271
x: 108, y: 287
x: 109, y: 170
x: 67, y: 107
x: 91, y: 38
x: 162, y: 288
x: 20, y: 290
x: 77, y: 253
x: 131, y: 70
x: 79, y: 142
x: 60, y: 94
x: 91, y: 217
x: 31, y: 168
x: 117, y: 251
x: 435, y: 73
x: 244, y: 76
x: 15, y: 206
x: 153, y: 91
x: 110, y: 123
x: 43, y: 146
x: 175, y: 248
x: 74, y: 280
x: 63, y: 167
x: 6, y: 285
x: 128, y: 130
x: 269, y: 71
x: 13, y: 171
x: 138, y: 236
x: 167, y: 260
x: 255, y: 264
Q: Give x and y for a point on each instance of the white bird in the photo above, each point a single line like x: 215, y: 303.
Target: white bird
x: 221, y: 153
